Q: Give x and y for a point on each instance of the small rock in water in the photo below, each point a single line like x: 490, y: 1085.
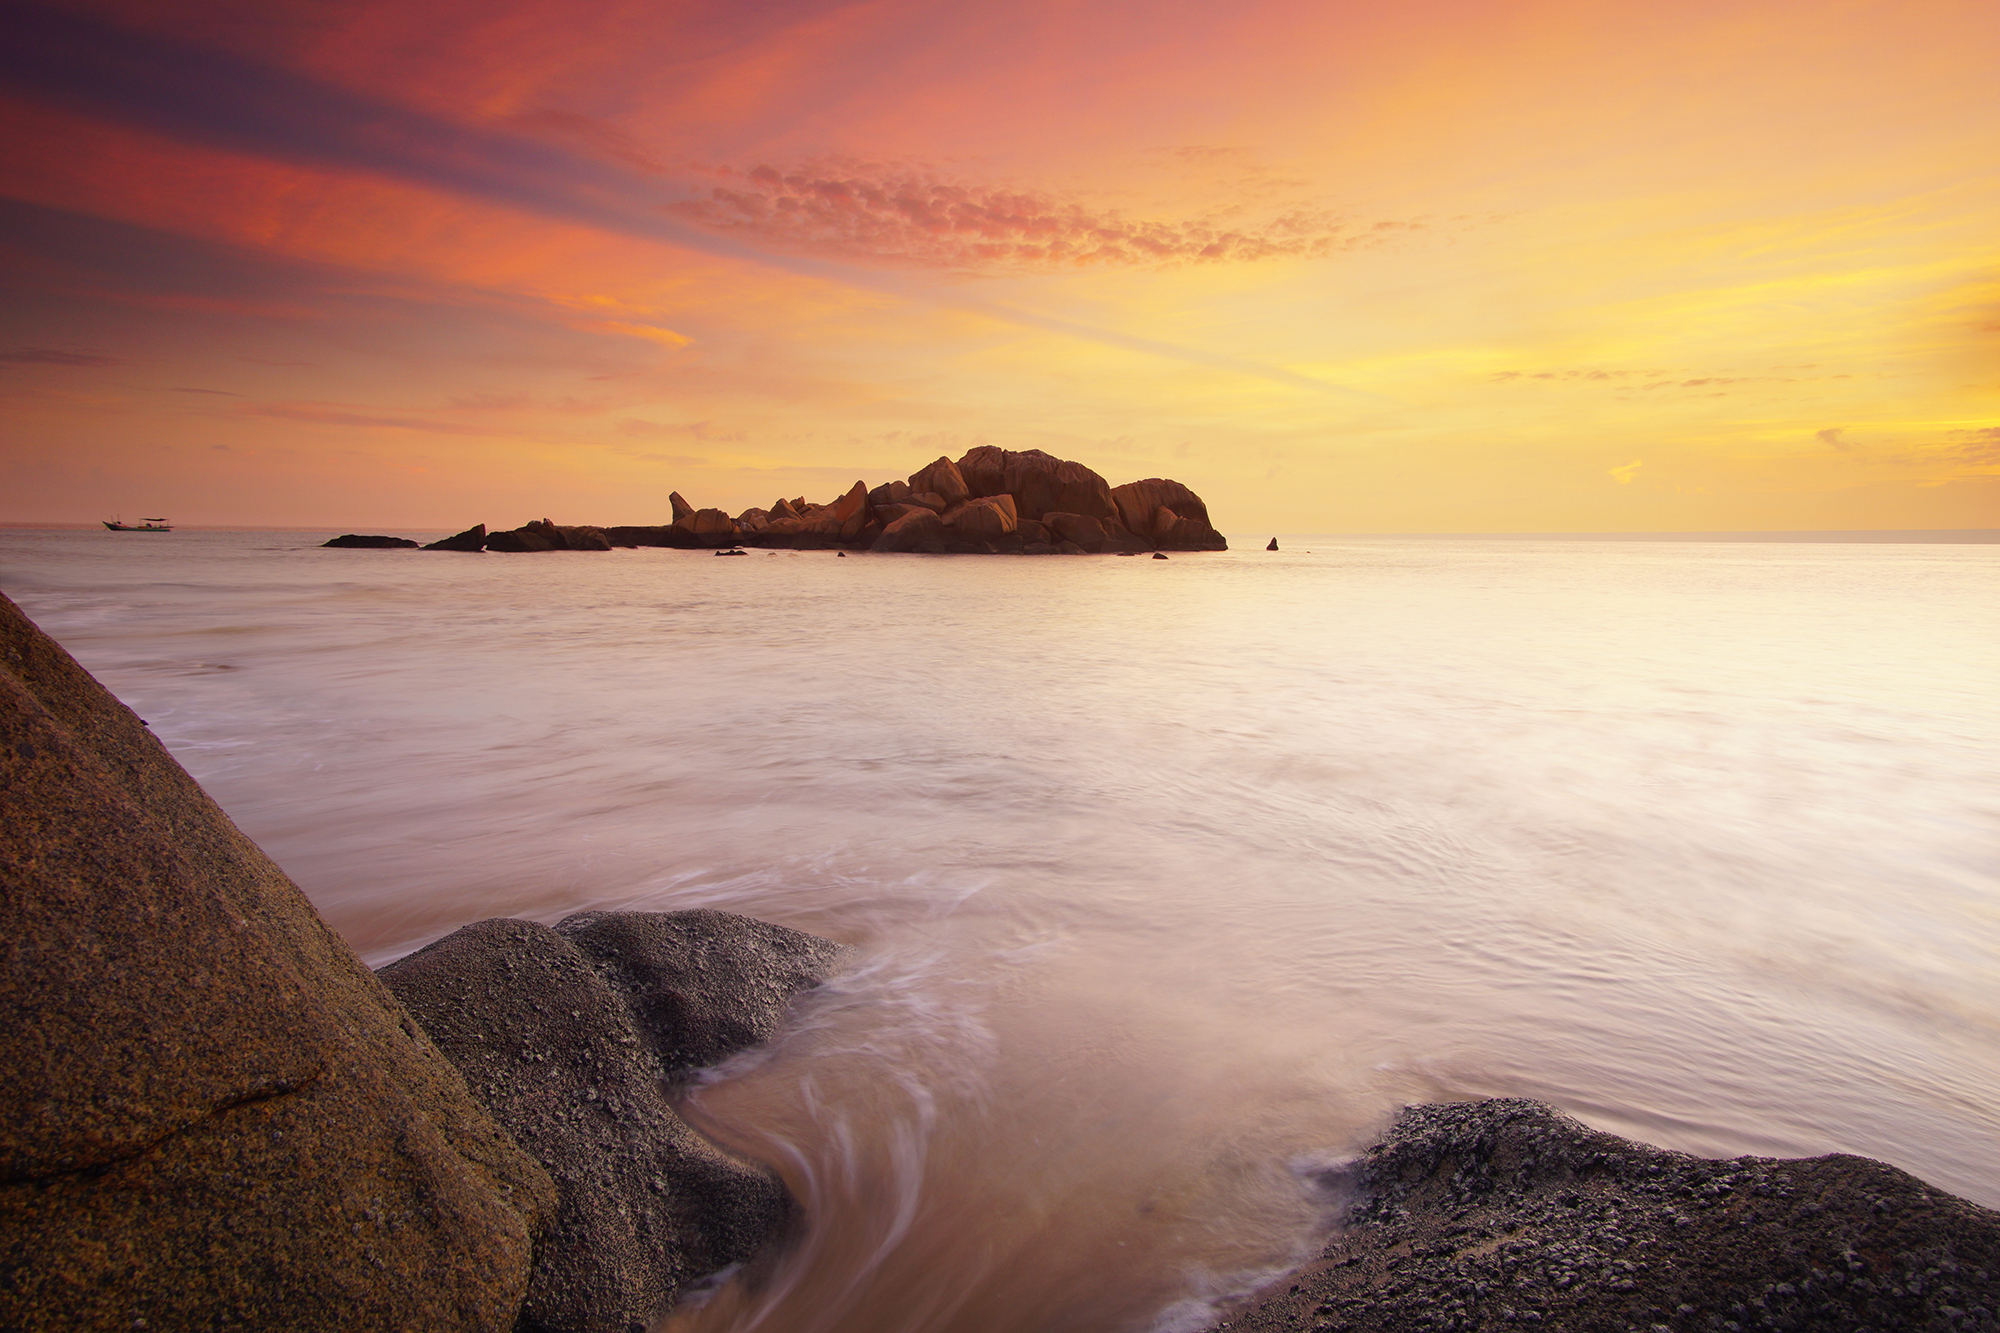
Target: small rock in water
x: 1273, y: 546
x: 1159, y: 555
x: 366, y: 542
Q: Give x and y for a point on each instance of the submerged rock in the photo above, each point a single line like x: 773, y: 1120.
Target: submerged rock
x: 214, y: 1115
x: 358, y: 541
x: 568, y: 1036
x: 1505, y: 1213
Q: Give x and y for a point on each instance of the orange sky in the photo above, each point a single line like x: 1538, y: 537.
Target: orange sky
x: 1442, y: 266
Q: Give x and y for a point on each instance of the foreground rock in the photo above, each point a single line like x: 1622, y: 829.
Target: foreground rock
x: 358, y: 541
x: 214, y: 1115
x: 1507, y: 1214
x: 568, y: 1036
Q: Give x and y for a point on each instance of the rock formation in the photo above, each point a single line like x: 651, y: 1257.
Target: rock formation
x: 990, y: 501
x: 1507, y: 1214
x: 214, y: 1115
x: 567, y: 1036
x: 472, y: 539
x: 357, y: 541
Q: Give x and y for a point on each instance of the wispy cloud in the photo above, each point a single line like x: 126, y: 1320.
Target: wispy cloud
x: 1624, y: 472
x: 324, y: 415
x: 915, y: 217
x: 699, y: 430
x: 52, y: 356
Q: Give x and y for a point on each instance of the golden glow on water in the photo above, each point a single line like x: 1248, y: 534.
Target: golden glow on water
x: 1168, y: 881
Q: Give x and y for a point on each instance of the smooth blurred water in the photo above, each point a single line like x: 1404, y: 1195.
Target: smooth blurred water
x: 1171, y: 879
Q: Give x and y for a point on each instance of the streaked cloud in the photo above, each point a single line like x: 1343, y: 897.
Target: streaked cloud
x: 917, y: 217
x: 55, y: 356
x: 698, y: 430
x: 324, y: 415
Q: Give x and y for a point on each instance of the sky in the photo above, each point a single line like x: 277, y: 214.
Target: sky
x: 1438, y: 266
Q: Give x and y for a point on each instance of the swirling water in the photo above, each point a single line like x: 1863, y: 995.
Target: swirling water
x: 1169, y: 880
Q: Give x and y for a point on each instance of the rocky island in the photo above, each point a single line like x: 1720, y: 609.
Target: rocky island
x: 218, y: 1117
x: 992, y: 501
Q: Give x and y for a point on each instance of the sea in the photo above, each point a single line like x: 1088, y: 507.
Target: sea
x: 1168, y: 881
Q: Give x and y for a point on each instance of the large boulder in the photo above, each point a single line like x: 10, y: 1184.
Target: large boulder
x: 850, y: 511
x: 916, y: 530
x: 1168, y: 514
x: 1121, y: 540
x: 365, y: 542
x: 708, y: 527
x: 682, y: 509
x: 943, y: 479
x: 1039, y: 482
x: 1504, y: 1213
x: 472, y: 539
x: 1138, y: 502
x: 889, y: 493
x: 701, y: 985
x: 887, y: 514
x: 568, y: 1035
x: 1081, y: 530
x: 986, y: 518
x: 214, y: 1115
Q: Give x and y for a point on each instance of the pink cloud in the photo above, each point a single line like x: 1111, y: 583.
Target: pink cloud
x: 327, y: 416
x: 914, y: 217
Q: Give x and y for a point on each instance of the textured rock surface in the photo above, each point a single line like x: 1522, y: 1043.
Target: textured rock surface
x: 568, y: 1036
x: 942, y: 479
x: 1168, y: 514
x: 1039, y: 482
x: 214, y: 1115
x: 986, y: 518
x: 915, y: 530
x: 1080, y: 530
x: 1508, y: 1214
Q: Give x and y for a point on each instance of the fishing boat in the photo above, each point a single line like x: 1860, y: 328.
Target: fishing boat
x: 150, y: 525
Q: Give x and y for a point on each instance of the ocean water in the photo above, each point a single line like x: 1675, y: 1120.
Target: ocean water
x: 1168, y: 881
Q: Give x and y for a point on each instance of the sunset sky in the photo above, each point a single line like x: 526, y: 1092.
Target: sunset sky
x: 1446, y: 265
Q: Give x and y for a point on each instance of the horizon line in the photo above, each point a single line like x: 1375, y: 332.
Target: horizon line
x: 1940, y: 536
